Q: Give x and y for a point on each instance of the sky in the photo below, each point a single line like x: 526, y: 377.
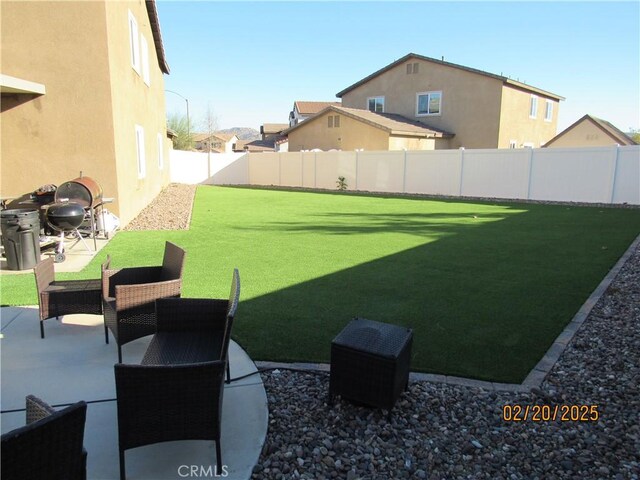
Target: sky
x: 247, y: 62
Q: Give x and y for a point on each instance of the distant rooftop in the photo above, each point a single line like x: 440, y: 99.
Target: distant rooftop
x: 390, y: 122
x: 311, y: 108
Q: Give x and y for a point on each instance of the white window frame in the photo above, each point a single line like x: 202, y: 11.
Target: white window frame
x: 134, y: 45
x: 420, y: 94
x: 144, y: 57
x: 548, y: 111
x: 160, y: 152
x: 375, y: 99
x: 140, y: 152
x: 533, y: 107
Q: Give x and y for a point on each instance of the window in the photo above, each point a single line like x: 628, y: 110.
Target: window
x: 548, y: 111
x: 333, y: 121
x: 513, y: 144
x: 134, y: 46
x: 412, y: 68
x: 533, y: 107
x: 330, y: 120
x: 429, y: 103
x: 144, y: 57
x: 336, y: 121
x: 142, y: 166
x: 375, y: 104
x: 160, y: 152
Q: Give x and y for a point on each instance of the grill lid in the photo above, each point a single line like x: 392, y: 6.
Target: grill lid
x: 65, y: 216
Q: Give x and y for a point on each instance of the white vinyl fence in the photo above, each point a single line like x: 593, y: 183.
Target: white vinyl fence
x: 596, y: 175
x: 216, y: 168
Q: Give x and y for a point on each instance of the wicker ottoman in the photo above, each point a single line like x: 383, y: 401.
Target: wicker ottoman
x: 370, y: 363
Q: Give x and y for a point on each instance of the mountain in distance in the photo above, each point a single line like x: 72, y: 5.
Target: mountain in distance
x: 243, y: 133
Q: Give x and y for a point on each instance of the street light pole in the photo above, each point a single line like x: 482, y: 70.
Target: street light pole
x: 187, y: 101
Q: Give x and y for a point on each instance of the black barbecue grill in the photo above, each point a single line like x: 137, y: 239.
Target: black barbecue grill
x: 65, y: 217
x: 66, y: 208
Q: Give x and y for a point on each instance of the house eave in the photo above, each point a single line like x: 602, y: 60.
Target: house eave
x: 13, y: 85
x: 154, y: 21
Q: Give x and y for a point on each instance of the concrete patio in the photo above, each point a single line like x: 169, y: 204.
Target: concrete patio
x: 73, y: 363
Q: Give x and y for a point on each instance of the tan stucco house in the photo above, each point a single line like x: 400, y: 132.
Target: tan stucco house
x: 83, y: 91
x: 341, y: 128
x: 590, y: 131
x: 217, y: 142
x: 305, y: 109
x: 479, y: 109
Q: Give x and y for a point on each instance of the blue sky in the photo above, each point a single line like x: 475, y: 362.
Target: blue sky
x: 249, y: 61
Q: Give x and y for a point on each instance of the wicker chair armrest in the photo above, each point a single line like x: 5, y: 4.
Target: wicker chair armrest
x: 191, y: 314
x: 130, y: 296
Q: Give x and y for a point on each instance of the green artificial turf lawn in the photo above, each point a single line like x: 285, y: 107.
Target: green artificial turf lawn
x: 486, y: 286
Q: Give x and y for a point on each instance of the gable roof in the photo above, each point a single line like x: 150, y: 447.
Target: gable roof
x: 199, y: 137
x: 271, y: 128
x: 392, y: 123
x: 614, y: 133
x: 224, y: 136
x: 257, y: 146
x: 154, y: 22
x: 310, y: 108
x: 413, y: 56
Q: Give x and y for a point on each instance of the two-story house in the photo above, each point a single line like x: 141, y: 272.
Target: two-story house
x: 457, y: 106
x: 83, y: 91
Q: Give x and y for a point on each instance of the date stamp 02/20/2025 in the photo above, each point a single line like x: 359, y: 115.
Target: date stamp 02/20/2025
x: 550, y: 413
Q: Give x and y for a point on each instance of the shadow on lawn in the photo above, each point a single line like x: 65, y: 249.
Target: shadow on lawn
x: 485, y: 300
x: 422, y: 224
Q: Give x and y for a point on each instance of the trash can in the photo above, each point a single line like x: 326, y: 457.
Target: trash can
x: 21, y: 238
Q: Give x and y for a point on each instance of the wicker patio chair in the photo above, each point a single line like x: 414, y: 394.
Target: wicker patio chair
x: 129, y: 295
x: 64, y: 297
x: 176, y: 393
x: 49, y: 446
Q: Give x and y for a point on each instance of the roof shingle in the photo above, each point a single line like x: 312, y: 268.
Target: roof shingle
x: 390, y: 122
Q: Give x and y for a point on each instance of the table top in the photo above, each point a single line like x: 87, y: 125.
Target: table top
x: 378, y: 338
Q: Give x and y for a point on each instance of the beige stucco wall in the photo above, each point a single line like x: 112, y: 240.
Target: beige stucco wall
x: 411, y: 143
x: 516, y: 124
x: 135, y: 103
x: 51, y: 138
x: 86, y: 120
x: 350, y: 135
x: 584, y: 134
x: 470, y: 102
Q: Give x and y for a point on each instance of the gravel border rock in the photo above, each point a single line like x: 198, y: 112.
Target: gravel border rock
x: 170, y: 210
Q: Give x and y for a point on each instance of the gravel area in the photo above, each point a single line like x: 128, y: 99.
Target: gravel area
x: 170, y: 210
x: 441, y: 431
